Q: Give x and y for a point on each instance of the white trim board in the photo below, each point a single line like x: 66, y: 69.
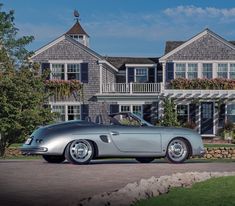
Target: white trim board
x: 188, y: 42
x: 140, y: 65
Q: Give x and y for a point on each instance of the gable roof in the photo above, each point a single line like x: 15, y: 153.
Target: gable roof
x: 76, y: 43
x: 76, y: 29
x: 171, y: 45
x: 174, y: 46
x: 120, y: 62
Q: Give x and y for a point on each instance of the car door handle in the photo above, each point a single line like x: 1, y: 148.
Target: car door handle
x: 114, y: 133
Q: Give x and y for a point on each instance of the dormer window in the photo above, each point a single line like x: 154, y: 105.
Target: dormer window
x: 81, y: 37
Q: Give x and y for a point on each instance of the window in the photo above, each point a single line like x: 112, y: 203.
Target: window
x: 182, y: 113
x: 192, y: 71
x: 141, y: 75
x: 207, y: 71
x: 180, y: 71
x: 231, y: 113
x: 125, y: 108
x: 74, y: 112
x: 73, y: 71
x: 232, y: 71
x: 60, y: 110
x: 137, y: 109
x: 222, y: 71
x: 57, y: 71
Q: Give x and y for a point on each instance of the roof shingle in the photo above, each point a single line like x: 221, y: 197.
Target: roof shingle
x: 119, y: 62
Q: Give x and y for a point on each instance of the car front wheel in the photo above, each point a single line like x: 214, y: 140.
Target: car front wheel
x: 144, y: 159
x: 79, y: 152
x: 177, y: 151
x: 54, y: 158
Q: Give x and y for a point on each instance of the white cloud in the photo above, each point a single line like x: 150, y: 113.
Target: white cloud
x: 193, y: 11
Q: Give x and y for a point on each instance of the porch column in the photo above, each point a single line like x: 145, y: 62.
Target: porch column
x: 163, y: 76
x: 101, y: 77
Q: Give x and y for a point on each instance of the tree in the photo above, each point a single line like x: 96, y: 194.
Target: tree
x: 12, y: 49
x: 169, y: 114
x: 22, y: 90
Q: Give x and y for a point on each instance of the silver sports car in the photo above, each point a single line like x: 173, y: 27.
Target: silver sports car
x: 127, y: 135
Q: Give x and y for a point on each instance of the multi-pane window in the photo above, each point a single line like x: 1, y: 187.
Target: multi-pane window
x: 182, y: 113
x: 192, y: 71
x: 74, y: 112
x: 57, y: 71
x: 232, y: 71
x: 141, y: 75
x: 137, y: 109
x: 231, y: 113
x: 60, y: 110
x: 180, y: 71
x: 125, y: 108
x: 73, y: 71
x: 222, y: 71
x: 66, y: 112
x: 207, y: 71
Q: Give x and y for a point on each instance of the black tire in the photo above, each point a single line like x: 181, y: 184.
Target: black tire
x: 81, y: 157
x: 54, y: 158
x: 177, y: 151
x: 145, y: 159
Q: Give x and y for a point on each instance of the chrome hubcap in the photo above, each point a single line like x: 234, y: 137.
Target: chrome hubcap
x: 177, y: 150
x: 80, y: 150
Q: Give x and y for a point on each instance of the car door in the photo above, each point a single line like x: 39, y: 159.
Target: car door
x: 136, y: 138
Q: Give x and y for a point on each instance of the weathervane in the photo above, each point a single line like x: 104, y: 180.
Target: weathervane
x: 76, y: 15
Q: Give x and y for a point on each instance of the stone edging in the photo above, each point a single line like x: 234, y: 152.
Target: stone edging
x: 211, y: 153
x: 146, y: 188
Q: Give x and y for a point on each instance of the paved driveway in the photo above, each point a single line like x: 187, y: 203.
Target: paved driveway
x: 35, y: 182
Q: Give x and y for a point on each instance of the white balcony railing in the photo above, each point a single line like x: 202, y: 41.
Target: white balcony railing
x: 131, y: 88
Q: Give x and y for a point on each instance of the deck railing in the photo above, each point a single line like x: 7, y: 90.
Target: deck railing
x: 131, y: 88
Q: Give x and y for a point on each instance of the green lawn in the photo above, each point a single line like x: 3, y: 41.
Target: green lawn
x: 218, y: 145
x: 214, y: 192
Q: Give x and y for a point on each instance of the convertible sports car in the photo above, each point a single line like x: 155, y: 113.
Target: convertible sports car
x: 127, y: 135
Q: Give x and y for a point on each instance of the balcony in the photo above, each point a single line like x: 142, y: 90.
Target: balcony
x: 131, y: 88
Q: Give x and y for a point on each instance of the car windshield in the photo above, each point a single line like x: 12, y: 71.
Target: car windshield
x: 126, y: 119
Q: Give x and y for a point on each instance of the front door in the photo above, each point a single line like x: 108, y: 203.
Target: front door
x: 207, y: 120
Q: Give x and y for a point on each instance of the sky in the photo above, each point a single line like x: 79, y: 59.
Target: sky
x: 123, y: 27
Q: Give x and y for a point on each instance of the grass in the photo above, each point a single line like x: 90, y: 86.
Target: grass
x: 218, y: 145
x: 213, y: 192
x: 16, y: 145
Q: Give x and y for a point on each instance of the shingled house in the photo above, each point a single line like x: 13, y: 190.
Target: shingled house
x: 205, y: 65
x: 138, y: 85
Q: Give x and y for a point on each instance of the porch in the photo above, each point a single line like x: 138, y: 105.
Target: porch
x: 131, y: 88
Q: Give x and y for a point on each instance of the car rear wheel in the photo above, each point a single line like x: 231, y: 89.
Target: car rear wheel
x: 79, y: 152
x: 177, y: 151
x: 145, y: 159
x: 54, y: 158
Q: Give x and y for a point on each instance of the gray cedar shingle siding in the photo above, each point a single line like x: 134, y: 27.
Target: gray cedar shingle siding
x: 205, y: 48
x: 66, y: 50
x: 171, y: 45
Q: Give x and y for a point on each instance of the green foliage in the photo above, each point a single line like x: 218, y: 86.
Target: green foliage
x: 12, y: 49
x: 21, y: 105
x: 63, y: 89
x: 22, y: 90
x: 217, y: 83
x: 216, y: 192
x: 169, y: 115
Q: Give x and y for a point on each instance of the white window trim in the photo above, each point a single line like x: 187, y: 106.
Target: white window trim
x: 131, y: 108
x: 65, y: 63
x: 140, y: 68
x: 65, y: 104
